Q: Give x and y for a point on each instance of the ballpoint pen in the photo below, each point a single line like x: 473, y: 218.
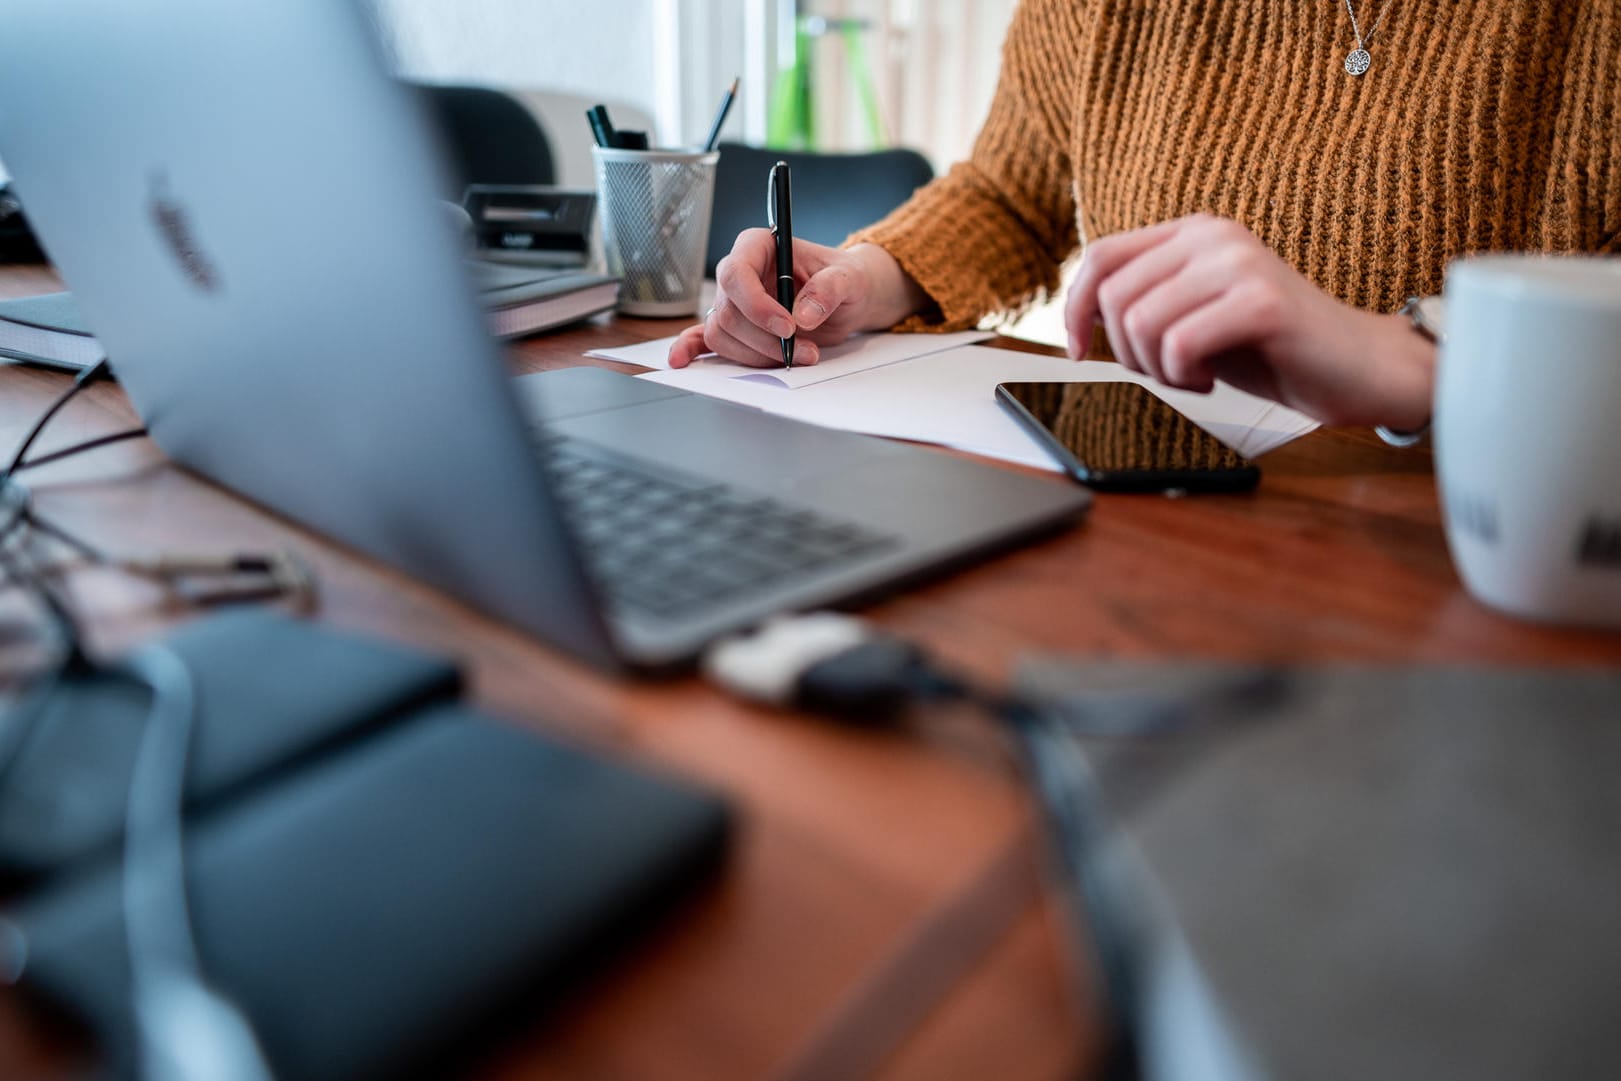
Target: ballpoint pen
x: 779, y: 216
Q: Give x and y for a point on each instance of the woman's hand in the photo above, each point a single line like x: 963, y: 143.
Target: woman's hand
x: 838, y: 292
x: 1199, y: 299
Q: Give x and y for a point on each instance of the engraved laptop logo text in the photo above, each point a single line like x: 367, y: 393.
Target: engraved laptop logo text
x: 174, y: 226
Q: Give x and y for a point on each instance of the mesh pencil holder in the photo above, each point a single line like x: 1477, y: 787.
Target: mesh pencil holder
x: 655, y: 207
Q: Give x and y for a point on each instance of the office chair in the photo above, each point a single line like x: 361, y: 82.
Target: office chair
x: 834, y: 194
x: 489, y: 137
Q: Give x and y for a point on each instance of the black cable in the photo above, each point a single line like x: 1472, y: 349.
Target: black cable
x: 78, y: 544
x: 835, y: 665
x: 1048, y: 736
x: 1069, y: 797
x: 21, y: 723
x: 82, y: 380
x: 79, y: 448
x: 17, y: 566
x: 18, y: 725
x: 1068, y: 793
x: 15, y: 502
x: 173, y: 1006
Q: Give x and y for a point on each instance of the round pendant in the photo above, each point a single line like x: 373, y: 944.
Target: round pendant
x: 1356, y: 61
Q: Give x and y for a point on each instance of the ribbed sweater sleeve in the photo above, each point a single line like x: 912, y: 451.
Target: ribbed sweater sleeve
x: 991, y: 234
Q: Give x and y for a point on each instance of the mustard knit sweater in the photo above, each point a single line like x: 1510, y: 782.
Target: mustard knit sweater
x: 1480, y: 125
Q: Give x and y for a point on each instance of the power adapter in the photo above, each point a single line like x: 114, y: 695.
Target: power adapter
x: 827, y: 663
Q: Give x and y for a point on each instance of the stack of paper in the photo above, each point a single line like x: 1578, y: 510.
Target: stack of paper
x: 934, y: 389
x: 858, y: 354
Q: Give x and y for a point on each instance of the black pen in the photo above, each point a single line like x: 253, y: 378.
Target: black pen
x: 779, y: 216
x: 601, y: 127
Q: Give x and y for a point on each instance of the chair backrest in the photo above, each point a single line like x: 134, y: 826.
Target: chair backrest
x: 489, y: 135
x: 834, y: 194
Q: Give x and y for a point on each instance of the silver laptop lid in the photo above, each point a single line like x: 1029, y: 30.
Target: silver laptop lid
x: 243, y: 203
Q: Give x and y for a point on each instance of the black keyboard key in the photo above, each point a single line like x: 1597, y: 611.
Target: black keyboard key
x: 670, y: 547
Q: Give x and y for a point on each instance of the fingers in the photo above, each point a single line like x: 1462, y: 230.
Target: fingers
x: 725, y: 334
x: 824, y: 293
x: 1197, y: 343
x: 689, y: 345
x: 1120, y: 294
x: 727, y: 320
x: 747, y: 324
x: 1138, y: 328
x: 1141, y: 285
x: 742, y: 276
x: 1101, y: 259
x: 726, y: 344
x: 1201, y: 298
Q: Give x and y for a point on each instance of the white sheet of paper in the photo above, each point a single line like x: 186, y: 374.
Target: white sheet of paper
x: 861, y: 353
x: 949, y: 398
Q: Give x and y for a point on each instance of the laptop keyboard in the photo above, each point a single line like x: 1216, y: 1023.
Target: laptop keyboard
x: 672, y: 547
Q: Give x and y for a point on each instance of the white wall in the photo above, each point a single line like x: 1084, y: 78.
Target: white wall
x: 934, y: 61
x: 579, y: 48
x: 670, y: 58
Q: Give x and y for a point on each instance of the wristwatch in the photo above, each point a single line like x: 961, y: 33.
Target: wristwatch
x: 1428, y: 316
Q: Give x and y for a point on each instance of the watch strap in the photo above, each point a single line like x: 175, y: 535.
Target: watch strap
x: 1427, y: 316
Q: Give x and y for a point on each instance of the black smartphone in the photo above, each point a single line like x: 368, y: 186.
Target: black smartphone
x: 1119, y: 437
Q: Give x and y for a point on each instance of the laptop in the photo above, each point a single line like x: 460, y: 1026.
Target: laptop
x: 242, y: 201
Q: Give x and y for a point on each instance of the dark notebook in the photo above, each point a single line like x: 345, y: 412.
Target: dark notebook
x: 270, y: 691
x: 373, y: 907
x: 1354, y: 873
x: 49, y: 330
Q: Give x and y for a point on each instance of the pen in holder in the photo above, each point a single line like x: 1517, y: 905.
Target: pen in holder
x: 655, y: 207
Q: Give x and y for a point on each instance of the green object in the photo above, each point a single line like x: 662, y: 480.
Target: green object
x: 856, y: 53
x: 792, y: 124
x: 792, y: 121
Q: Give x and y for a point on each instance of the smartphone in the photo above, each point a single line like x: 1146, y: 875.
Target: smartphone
x: 1119, y: 437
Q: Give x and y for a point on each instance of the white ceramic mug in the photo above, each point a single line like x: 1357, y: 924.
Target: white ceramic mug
x: 1528, y: 434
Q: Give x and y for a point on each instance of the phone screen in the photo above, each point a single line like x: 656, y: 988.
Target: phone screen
x: 1119, y: 435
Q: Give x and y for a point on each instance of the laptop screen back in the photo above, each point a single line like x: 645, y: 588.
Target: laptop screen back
x: 243, y: 203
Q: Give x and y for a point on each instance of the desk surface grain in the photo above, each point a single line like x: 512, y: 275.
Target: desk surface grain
x: 883, y: 912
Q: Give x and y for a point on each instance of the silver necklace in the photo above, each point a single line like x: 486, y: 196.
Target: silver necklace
x: 1357, y: 60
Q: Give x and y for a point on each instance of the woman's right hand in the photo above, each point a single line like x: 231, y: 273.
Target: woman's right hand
x: 838, y: 292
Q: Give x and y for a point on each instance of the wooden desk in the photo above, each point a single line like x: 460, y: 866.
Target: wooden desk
x: 883, y: 913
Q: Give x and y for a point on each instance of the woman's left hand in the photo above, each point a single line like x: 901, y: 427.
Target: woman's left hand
x: 1199, y: 299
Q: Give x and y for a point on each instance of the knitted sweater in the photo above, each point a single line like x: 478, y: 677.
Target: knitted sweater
x: 1479, y: 125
